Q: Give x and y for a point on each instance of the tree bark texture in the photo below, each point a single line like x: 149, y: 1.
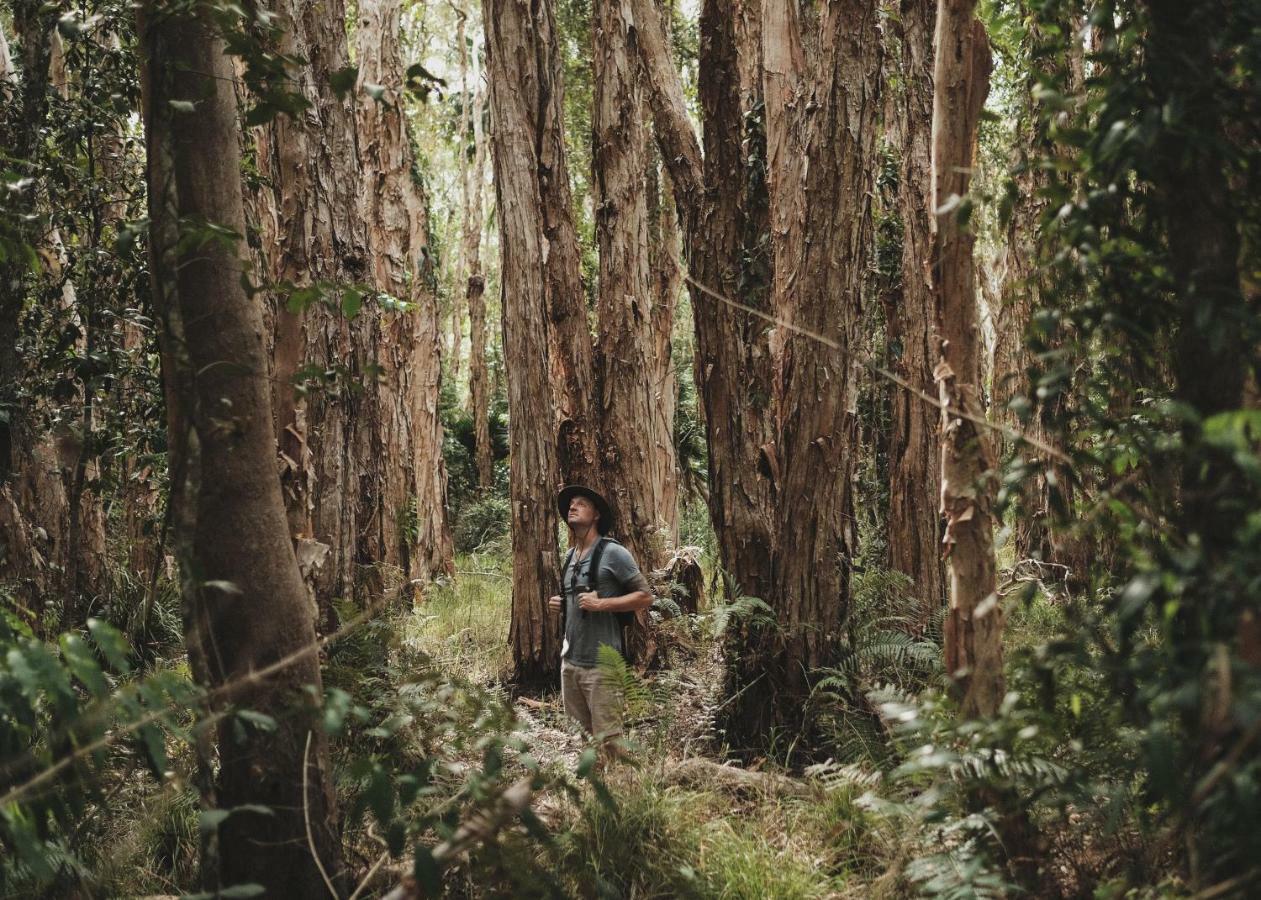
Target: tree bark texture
x: 245, y: 602
x: 667, y: 277
x: 519, y: 54
x: 574, y: 371
x: 408, y: 526
x: 473, y: 189
x: 821, y: 82
x: 974, y: 622
x: 914, y: 453
x: 311, y: 232
x: 637, y: 455
x: 721, y: 204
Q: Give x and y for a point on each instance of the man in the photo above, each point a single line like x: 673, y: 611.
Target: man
x: 591, y: 604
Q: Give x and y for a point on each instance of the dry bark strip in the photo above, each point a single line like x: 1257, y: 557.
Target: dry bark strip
x: 515, y: 45
x: 974, y: 624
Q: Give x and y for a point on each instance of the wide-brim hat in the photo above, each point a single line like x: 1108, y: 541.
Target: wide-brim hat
x: 570, y: 491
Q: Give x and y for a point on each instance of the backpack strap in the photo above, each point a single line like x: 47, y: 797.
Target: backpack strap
x: 564, y: 600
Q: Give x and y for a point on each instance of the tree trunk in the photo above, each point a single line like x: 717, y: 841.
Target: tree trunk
x: 974, y: 624
x: 472, y: 184
x: 408, y: 526
x: 311, y: 232
x: 636, y: 458
x: 573, y: 358
x: 518, y: 49
x: 721, y: 203
x: 667, y: 279
x: 245, y: 603
x: 914, y: 465
x: 52, y: 523
x: 821, y: 166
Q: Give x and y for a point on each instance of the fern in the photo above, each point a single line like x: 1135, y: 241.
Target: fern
x: 637, y: 699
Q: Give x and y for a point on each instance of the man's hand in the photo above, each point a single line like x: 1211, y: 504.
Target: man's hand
x: 553, y: 603
x: 591, y: 602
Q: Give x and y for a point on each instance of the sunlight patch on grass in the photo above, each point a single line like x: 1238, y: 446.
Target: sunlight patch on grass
x: 462, y: 624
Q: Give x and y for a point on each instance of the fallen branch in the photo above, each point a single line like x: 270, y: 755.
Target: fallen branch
x: 697, y: 770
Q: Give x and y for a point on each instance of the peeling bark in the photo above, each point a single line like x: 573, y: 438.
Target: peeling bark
x: 974, y: 623
x: 721, y: 205
x: 914, y: 464
x: 518, y: 50
x: 407, y: 524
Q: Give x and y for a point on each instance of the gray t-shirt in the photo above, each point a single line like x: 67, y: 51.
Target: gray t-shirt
x: 585, y: 631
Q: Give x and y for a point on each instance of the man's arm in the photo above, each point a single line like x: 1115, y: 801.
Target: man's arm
x: 638, y: 592
x: 632, y: 602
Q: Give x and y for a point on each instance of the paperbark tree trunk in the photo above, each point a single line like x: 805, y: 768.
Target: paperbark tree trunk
x: 667, y: 278
x: 519, y: 53
x: 311, y: 233
x: 408, y: 526
x: 914, y: 451
x: 573, y: 366
x: 721, y: 203
x: 636, y: 455
x: 974, y: 623
x: 472, y: 187
x: 245, y: 603
x: 821, y: 81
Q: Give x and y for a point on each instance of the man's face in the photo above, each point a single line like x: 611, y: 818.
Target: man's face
x: 582, y: 513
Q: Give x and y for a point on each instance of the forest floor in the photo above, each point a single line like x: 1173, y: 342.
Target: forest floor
x: 681, y: 820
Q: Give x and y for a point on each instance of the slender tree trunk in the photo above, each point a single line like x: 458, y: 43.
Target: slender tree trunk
x: 914, y: 454
x: 245, y: 603
x: 667, y: 278
x: 721, y: 203
x: 974, y: 624
x: 518, y: 51
x: 409, y: 526
x: 472, y: 184
x: 574, y: 372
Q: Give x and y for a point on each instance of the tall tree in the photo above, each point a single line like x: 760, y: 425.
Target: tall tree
x: 472, y: 188
x: 245, y: 603
x: 408, y: 526
x: 914, y: 454
x: 519, y: 50
x: 821, y: 81
x: 574, y: 371
x: 311, y: 233
x: 636, y: 453
x: 721, y: 205
x: 52, y: 519
x: 974, y: 623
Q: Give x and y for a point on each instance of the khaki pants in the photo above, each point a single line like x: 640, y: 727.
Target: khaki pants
x: 589, y: 699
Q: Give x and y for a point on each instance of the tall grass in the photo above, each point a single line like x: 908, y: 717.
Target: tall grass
x: 462, y: 624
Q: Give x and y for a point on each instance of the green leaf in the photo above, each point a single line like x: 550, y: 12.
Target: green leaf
x: 261, y: 721
x: 352, y: 302
x: 183, y: 106
x: 110, y: 641
x: 343, y: 79
x: 586, y: 762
